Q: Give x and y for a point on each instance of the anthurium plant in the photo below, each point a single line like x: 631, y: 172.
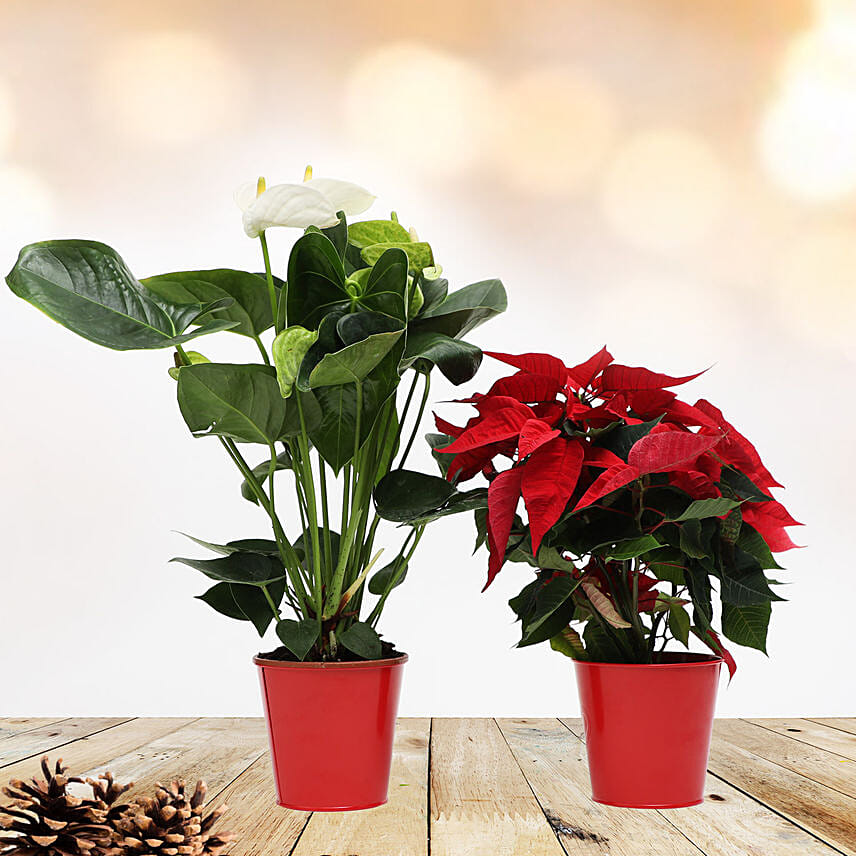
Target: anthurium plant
x: 361, y: 310
x: 642, y: 509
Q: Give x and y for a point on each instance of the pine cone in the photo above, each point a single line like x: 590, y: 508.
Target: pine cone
x: 169, y: 824
x: 44, y: 819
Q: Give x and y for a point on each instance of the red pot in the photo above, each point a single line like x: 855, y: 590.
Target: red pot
x: 331, y: 727
x: 648, y: 729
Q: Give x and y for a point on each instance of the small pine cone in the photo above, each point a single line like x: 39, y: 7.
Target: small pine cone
x: 106, y: 791
x: 169, y: 824
x: 45, y: 820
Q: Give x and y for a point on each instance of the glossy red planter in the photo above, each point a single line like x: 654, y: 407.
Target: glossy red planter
x: 648, y: 729
x: 331, y: 727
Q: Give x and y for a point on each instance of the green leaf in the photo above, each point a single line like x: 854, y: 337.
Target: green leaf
x: 298, y: 636
x: 246, y: 568
x: 457, y: 360
x: 316, y: 281
x: 631, y: 548
x: 568, y: 642
x: 751, y: 541
x: 437, y: 442
x: 354, y: 362
x: 463, y: 310
x: 86, y: 287
x: 404, y: 495
x: 601, y: 646
x: 679, y: 624
x: 382, y: 580
x: 743, y: 486
x: 702, y: 508
x: 385, y: 287
x: 230, y: 400
x: 338, y: 235
x: 553, y: 603
x: 244, y: 603
x: 419, y: 253
x: 261, y: 472
x: 250, y: 308
x: 368, y: 232
x: 195, y: 358
x: 621, y: 439
x: 246, y: 545
x: 362, y: 640
x: 288, y: 350
x: 434, y: 292
x: 743, y: 581
x: 470, y: 500
x: 693, y: 541
x: 747, y: 625
x: 303, y: 548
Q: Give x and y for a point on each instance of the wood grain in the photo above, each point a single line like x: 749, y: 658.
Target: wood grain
x: 848, y: 725
x: 806, y: 731
x: 554, y: 762
x: 823, y: 811
x: 400, y: 828
x: 11, y: 725
x: 481, y: 804
x: 832, y: 770
x: 49, y: 738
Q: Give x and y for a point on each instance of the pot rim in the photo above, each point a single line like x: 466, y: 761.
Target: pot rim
x: 704, y: 660
x: 263, y: 662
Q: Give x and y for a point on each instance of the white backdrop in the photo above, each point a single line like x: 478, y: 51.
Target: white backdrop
x: 97, y: 468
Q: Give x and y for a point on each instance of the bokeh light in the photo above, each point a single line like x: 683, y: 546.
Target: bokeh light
x: 665, y: 190
x: 808, y: 132
x: 817, y: 286
x: 170, y: 87
x: 556, y: 126
x: 411, y: 104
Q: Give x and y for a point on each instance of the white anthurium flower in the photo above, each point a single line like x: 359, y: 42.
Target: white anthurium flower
x: 312, y: 203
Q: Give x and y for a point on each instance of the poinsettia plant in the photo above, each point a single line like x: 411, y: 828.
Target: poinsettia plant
x: 362, y: 307
x: 640, y: 508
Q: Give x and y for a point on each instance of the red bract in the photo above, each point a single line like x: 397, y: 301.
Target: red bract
x: 614, y: 468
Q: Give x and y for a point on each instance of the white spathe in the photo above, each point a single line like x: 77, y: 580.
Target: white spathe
x: 311, y: 203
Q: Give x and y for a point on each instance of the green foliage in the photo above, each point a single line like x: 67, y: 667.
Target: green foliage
x: 362, y: 306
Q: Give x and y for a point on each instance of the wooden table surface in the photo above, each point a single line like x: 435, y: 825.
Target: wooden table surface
x: 507, y: 787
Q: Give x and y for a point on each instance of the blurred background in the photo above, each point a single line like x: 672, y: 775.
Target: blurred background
x: 676, y: 180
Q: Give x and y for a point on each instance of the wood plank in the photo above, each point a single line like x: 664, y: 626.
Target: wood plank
x: 824, y: 767
x: 481, y: 804
x: 261, y: 826
x: 848, y: 725
x: 399, y: 828
x: 11, y: 725
x: 822, y: 736
x: 730, y: 822
x: 89, y: 753
x: 217, y: 750
x: 50, y: 737
x: 823, y: 811
x: 553, y: 760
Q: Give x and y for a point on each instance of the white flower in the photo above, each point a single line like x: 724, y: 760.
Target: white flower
x: 312, y: 203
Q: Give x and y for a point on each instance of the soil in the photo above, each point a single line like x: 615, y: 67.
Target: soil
x: 388, y: 651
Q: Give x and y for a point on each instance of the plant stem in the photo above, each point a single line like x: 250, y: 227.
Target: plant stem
x: 262, y: 349
x: 272, y: 605
x: 270, y: 285
x: 401, y: 562
x: 418, y: 420
x: 325, y: 515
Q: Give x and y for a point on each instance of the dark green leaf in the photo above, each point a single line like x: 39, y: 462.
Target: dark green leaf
x: 404, y: 495
x: 385, y: 287
x: 298, y: 636
x: 383, y: 579
x: 440, y: 441
x: 434, y: 292
x: 247, y: 568
x: 702, y: 508
x: 747, y: 625
x: 244, y: 603
x: 457, y: 360
x: 568, y: 642
x: 232, y: 400
x: 751, y: 541
x: 470, y: 500
x: 553, y: 603
x: 463, y: 310
x: 86, y: 287
x: 742, y: 485
x: 261, y: 472
x: 631, y: 548
x: 693, y: 541
x: 362, y: 640
x: 743, y: 581
x: 621, y: 439
x: 338, y: 234
x: 601, y: 646
x: 316, y: 281
x: 248, y: 545
x: 250, y: 310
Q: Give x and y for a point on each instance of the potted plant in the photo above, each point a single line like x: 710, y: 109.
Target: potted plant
x: 361, y: 309
x: 640, y: 508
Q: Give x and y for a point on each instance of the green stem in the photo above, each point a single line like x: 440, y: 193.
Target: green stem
x: 401, y: 562
x: 270, y: 285
x: 262, y: 350
x: 418, y: 420
x: 325, y: 515
x: 272, y: 605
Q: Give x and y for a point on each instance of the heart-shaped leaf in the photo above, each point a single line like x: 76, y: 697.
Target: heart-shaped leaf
x: 245, y: 603
x: 464, y: 310
x: 362, y: 640
x: 298, y: 636
x: 457, y: 360
x: 252, y: 569
x: 316, y: 281
x: 232, y: 400
x: 383, y: 579
x: 403, y: 495
x: 86, y: 287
